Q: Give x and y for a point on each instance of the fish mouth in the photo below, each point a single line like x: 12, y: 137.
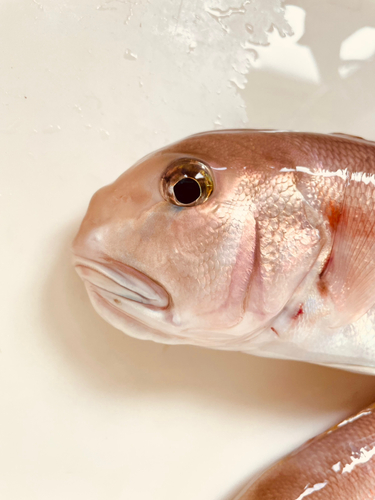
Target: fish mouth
x: 119, y: 283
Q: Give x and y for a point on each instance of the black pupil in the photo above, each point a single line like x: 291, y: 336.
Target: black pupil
x: 187, y: 191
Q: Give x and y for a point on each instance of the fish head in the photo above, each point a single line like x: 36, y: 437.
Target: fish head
x: 171, y: 252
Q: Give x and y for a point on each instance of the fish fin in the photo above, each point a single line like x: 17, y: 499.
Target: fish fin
x: 349, y: 275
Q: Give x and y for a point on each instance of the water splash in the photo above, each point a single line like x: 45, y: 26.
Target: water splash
x: 257, y: 19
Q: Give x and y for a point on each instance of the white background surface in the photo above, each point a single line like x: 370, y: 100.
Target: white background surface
x: 87, y: 87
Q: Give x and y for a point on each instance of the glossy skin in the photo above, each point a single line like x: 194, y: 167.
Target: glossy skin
x: 337, y: 465
x: 279, y: 261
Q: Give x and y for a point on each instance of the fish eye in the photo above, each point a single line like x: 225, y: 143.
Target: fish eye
x: 187, y: 182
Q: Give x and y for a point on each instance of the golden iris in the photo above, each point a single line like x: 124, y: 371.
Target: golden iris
x: 187, y: 182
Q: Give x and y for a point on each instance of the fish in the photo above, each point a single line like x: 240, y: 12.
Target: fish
x: 258, y: 241
x: 338, y: 464
x: 255, y: 241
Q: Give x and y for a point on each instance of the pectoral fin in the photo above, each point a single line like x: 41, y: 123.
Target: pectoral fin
x: 349, y: 276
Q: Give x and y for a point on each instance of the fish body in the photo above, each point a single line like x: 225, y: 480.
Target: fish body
x: 336, y: 465
x: 275, y: 256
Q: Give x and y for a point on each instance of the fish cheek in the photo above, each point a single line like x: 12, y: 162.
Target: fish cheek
x: 158, y: 242
x: 193, y: 263
x: 213, y: 258
x: 177, y: 247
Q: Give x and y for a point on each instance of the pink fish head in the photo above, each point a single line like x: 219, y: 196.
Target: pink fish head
x: 184, y: 247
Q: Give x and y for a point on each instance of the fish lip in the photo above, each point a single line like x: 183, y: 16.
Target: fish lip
x: 120, y: 280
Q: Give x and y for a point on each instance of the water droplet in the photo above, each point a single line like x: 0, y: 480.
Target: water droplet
x: 105, y: 7
x: 130, y: 15
x: 130, y: 55
x: 52, y: 129
x: 238, y: 80
x: 11, y: 129
x: 250, y: 49
x: 104, y: 134
x: 348, y: 69
x: 40, y: 6
x: 219, y: 15
x: 217, y: 122
x: 192, y: 46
